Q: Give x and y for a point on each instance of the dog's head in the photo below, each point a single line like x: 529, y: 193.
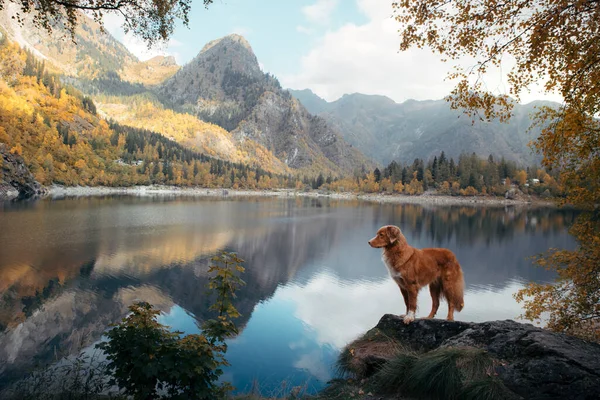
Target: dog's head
x: 387, y: 236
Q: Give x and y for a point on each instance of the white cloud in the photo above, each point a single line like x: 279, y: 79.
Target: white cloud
x: 304, y: 29
x: 366, y: 59
x: 140, y: 49
x: 113, y: 24
x: 320, y: 12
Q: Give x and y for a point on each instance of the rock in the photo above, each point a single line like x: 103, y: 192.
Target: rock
x: 514, y: 194
x: 15, y: 174
x: 535, y: 363
x: 546, y: 194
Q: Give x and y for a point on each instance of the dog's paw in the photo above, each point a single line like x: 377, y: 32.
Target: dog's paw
x: 408, y: 318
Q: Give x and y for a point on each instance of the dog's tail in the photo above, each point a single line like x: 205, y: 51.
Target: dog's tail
x: 455, y: 289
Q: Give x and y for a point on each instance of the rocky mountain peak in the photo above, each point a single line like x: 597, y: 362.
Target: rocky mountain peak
x: 224, y: 72
x: 231, y: 52
x: 233, y: 38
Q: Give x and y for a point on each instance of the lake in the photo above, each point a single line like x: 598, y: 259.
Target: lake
x: 70, y: 267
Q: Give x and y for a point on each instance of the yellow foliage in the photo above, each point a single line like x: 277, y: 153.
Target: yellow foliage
x: 468, y: 191
x: 444, y: 188
x: 398, y: 187
x: 17, y: 149
x: 188, y: 130
x: 521, y: 177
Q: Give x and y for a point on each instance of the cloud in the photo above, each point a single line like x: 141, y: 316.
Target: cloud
x: 304, y: 29
x: 320, y: 12
x: 113, y: 24
x: 140, y: 49
x: 365, y: 58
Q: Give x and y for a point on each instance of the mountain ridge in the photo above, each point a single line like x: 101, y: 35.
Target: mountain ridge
x: 385, y: 130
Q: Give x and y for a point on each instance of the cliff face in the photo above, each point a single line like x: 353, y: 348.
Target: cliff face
x: 15, y: 178
x: 280, y: 123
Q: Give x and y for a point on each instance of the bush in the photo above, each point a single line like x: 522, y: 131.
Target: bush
x: 145, y: 358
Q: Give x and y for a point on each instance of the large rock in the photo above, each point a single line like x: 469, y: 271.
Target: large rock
x: 535, y: 363
x: 14, y: 174
x: 515, y: 194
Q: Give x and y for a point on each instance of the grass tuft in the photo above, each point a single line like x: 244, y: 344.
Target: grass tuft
x: 446, y: 373
x: 435, y: 374
x: 488, y: 388
x: 392, y: 376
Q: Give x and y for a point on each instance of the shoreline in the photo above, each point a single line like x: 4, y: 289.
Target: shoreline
x: 56, y: 191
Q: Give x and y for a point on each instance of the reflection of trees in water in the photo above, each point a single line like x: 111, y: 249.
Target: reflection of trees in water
x: 493, y: 245
x: 468, y: 225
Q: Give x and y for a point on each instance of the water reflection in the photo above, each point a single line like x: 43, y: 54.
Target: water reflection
x: 69, y: 268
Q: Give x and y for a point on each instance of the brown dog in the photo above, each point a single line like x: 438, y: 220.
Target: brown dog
x: 413, y: 268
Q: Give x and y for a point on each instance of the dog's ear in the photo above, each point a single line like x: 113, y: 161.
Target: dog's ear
x: 393, y: 233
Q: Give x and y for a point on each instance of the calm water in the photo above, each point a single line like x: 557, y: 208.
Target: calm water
x: 69, y: 268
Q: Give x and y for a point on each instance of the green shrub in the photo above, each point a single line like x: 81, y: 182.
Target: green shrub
x: 146, y: 359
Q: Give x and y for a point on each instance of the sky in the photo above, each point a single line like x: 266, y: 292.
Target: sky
x: 332, y: 47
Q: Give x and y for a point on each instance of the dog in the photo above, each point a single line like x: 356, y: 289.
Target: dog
x: 413, y: 268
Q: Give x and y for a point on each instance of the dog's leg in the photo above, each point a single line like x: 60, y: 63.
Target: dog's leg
x: 412, y: 304
x: 450, y: 311
x: 403, y: 291
x: 435, y: 289
x: 405, y: 296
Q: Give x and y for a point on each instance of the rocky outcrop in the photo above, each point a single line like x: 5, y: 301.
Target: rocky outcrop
x: 15, y: 179
x: 533, y: 363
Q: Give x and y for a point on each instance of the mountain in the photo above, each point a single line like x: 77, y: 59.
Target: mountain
x: 224, y: 85
x: 220, y: 104
x: 91, y: 53
x: 385, y: 130
x: 121, y: 87
x: 313, y: 103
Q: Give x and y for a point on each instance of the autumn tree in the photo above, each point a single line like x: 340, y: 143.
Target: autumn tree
x: 150, y: 20
x: 554, y: 43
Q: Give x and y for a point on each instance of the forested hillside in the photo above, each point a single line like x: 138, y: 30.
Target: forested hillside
x: 59, y: 134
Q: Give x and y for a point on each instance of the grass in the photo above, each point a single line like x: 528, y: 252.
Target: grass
x: 488, y: 388
x: 441, y: 373
x: 375, y: 346
x: 455, y: 373
x: 391, y: 378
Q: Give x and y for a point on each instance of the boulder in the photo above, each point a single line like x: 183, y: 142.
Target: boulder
x: 514, y: 194
x: 534, y: 363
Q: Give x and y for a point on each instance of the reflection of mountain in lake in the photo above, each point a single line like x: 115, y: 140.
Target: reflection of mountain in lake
x: 75, y: 304
x: 70, y: 268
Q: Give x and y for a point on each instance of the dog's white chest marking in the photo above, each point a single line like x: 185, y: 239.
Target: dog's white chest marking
x: 393, y: 273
